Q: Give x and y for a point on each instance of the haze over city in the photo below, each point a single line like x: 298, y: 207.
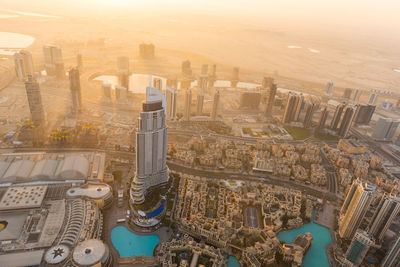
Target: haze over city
x: 199, y: 133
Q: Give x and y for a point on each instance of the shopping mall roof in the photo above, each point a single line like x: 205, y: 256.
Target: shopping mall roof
x: 31, y: 167
x: 22, y: 197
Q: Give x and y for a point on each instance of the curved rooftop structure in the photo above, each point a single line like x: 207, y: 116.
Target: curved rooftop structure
x: 90, y: 253
x: 73, y: 167
x: 93, y: 191
x: 56, y: 254
x: 40, y: 166
x: 44, y: 169
x: 18, y: 170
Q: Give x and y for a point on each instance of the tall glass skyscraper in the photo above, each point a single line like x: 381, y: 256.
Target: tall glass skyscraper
x: 151, y: 147
x: 354, y: 208
x: 151, y: 168
x: 392, y: 258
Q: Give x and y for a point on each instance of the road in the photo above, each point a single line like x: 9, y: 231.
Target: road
x: 375, y: 146
x: 257, y: 177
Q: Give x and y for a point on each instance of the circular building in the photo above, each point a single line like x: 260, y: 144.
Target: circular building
x: 92, y: 252
x: 56, y: 255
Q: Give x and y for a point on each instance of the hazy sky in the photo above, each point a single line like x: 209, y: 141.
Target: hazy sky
x: 355, y: 13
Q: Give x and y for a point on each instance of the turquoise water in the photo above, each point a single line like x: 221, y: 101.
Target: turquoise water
x: 232, y: 261
x: 129, y: 244
x: 316, y: 255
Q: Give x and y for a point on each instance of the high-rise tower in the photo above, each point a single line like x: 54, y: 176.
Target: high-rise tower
x: 171, y: 98
x: 215, y: 106
x: 75, y: 87
x: 337, y: 116
x: 358, y: 248
x: 385, y: 129
x: 373, y: 98
x: 151, y: 147
x: 34, y: 100
x: 213, y: 76
x: 329, y: 88
x: 188, y: 104
x: 385, y: 213
x: 354, y: 208
x: 123, y: 71
x: 53, y: 61
x: 357, y: 95
x: 347, y: 120
x: 323, y: 117
x: 23, y: 65
x: 363, y: 114
x: 289, y: 108
x: 271, y: 93
x: 392, y: 258
x: 146, y: 202
x: 235, y: 77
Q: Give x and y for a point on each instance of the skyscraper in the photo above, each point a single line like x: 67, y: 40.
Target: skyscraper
x: 151, y: 147
x: 146, y: 51
x: 329, y: 88
x: 347, y: 120
x: 200, y: 102
x: 354, y: 208
x: 123, y: 71
x: 79, y: 62
x: 34, y: 100
x: 171, y: 98
x: 147, y: 204
x: 322, y: 118
x: 310, y: 109
x: 23, y: 65
x: 385, y: 129
x: 53, y: 61
x: 121, y: 94
x: 373, y: 98
x: 358, y: 248
x: 188, y: 104
x: 385, y: 213
x: 337, y: 116
x: 213, y: 76
x: 186, y: 69
x: 235, y: 77
x: 392, y: 258
x: 298, y: 107
x: 363, y: 114
x: 289, y: 108
x: 347, y: 93
x: 75, y: 87
x: 157, y: 83
x: 357, y: 95
x: 106, y: 92
x: 215, y: 106
x: 202, y: 86
x: 271, y: 93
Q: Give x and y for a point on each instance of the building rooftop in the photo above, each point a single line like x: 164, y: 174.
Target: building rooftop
x: 31, y: 167
x: 14, y: 222
x: 23, y: 197
x: 89, y: 252
x: 91, y: 191
x: 22, y: 259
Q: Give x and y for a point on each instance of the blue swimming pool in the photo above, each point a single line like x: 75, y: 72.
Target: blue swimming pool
x: 129, y: 244
x: 232, y: 261
x: 316, y: 255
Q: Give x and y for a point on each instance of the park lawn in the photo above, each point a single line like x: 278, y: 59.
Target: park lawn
x: 297, y: 132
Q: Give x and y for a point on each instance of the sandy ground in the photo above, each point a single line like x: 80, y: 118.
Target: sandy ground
x: 258, y: 50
